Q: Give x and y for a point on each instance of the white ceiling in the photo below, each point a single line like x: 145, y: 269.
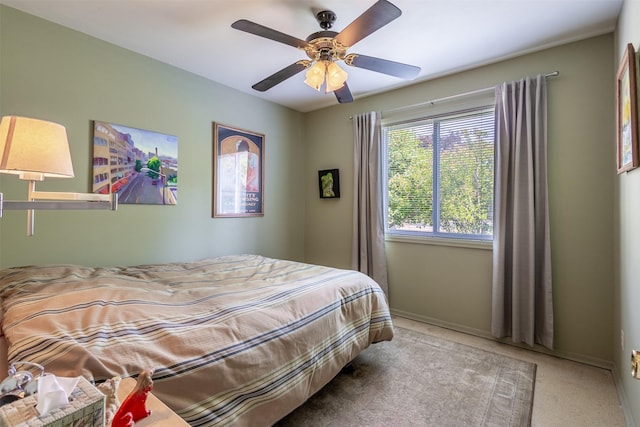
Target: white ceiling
x: 440, y: 36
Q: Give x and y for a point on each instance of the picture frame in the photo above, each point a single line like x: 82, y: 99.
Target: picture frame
x: 238, y: 172
x: 627, y: 112
x: 140, y: 165
x: 329, y: 183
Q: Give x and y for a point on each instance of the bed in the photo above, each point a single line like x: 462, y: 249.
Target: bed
x: 239, y: 339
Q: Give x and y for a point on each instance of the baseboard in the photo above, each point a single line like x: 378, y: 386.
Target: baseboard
x: 441, y: 324
x: 579, y: 358
x: 624, y: 402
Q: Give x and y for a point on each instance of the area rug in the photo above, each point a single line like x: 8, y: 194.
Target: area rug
x: 421, y: 380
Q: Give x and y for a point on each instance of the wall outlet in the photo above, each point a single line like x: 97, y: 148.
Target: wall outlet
x: 622, y: 339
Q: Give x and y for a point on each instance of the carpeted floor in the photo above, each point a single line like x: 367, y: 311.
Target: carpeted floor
x: 421, y: 380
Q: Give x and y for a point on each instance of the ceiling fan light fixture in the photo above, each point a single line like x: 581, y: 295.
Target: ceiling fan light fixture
x: 336, y: 77
x: 315, y: 75
x: 325, y: 47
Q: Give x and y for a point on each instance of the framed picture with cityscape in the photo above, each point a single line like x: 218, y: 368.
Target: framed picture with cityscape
x: 329, y: 183
x: 238, y: 172
x: 627, y: 112
x: 140, y: 165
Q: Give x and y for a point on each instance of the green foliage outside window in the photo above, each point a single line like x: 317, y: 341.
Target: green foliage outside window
x: 410, y: 181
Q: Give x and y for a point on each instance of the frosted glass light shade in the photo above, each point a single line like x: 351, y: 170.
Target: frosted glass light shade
x: 34, y: 149
x: 336, y: 77
x: 315, y: 75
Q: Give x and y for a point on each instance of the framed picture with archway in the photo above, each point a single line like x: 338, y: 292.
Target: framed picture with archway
x: 238, y: 172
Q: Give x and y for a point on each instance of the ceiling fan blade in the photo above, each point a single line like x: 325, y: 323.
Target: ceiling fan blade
x: 269, y: 33
x: 392, y: 68
x: 343, y: 95
x: 374, y: 18
x: 282, y: 75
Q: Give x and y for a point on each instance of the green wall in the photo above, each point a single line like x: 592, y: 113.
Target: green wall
x: 451, y: 286
x: 50, y: 72
x: 627, y: 210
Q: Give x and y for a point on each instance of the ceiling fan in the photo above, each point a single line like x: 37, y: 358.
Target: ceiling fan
x: 326, y: 47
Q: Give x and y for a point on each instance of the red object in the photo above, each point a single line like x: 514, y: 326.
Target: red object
x: 134, y: 406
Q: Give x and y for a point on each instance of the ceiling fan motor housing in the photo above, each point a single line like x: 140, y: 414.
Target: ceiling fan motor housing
x: 326, y: 18
x: 325, y: 47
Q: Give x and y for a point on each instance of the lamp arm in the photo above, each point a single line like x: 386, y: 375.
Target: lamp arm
x: 58, y: 201
x: 19, y: 205
x: 60, y: 195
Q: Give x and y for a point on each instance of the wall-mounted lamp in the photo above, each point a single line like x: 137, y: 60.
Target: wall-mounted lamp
x: 34, y: 150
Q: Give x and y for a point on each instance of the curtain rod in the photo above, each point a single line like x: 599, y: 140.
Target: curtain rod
x: 448, y: 98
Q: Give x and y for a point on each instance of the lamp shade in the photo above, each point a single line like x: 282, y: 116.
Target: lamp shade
x: 34, y: 149
x: 336, y: 77
x: 315, y: 75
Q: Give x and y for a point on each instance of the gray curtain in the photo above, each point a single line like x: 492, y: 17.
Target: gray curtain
x: 522, y: 298
x: 368, y: 254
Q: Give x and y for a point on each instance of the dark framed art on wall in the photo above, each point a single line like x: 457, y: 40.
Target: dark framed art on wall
x: 329, y: 183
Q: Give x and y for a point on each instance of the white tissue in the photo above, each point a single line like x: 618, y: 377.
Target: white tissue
x: 54, y: 392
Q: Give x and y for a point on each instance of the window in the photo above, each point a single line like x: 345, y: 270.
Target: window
x: 440, y: 169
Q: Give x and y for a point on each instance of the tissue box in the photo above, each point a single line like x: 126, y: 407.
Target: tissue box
x: 85, y: 409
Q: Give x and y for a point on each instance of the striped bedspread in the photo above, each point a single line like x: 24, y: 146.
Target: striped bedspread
x: 234, y: 340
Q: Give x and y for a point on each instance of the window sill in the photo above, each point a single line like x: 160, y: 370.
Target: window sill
x: 441, y: 241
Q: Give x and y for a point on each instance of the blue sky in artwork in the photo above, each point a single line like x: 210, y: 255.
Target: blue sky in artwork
x: 147, y: 141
